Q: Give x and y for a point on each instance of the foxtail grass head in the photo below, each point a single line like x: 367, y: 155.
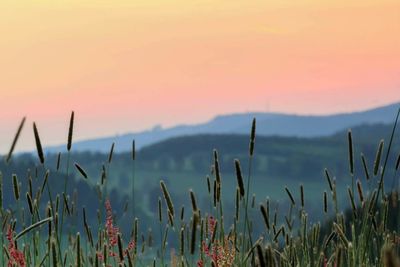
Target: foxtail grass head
x: 15, y: 140
x: 70, y: 131
x: 38, y: 144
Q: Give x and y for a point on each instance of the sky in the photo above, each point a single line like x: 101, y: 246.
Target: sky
x: 125, y: 66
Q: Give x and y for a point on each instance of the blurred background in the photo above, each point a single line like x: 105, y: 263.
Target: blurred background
x: 182, y: 78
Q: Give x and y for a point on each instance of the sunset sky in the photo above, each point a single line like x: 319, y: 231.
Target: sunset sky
x: 125, y: 66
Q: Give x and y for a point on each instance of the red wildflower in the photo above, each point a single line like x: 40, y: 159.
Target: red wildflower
x: 221, y: 255
x: 131, y: 246
x: 213, y: 255
x: 205, y: 249
x: 100, y: 256
x: 112, y: 234
x: 211, y: 225
x: 16, y: 256
x: 112, y: 231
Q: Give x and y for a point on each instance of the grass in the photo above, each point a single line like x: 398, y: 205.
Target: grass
x: 52, y: 228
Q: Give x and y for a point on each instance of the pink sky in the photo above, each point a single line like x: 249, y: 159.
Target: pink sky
x: 129, y: 65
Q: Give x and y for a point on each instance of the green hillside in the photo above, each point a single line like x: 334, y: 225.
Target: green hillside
x: 183, y: 163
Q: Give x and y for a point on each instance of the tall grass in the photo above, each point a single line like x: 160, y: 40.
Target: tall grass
x: 359, y: 236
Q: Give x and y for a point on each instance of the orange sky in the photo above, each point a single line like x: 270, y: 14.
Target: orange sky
x: 128, y: 65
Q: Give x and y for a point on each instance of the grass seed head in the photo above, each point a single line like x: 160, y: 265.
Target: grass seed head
x: 70, y: 131
x: 252, y: 137
x: 15, y: 140
x: 16, y: 187
x: 351, y: 153
x: 365, y: 166
x: 265, y: 216
x: 81, y: 170
x: 378, y: 157
x: 216, y: 167
x: 328, y: 178
x: 38, y: 144
x: 290, y: 196
x: 167, y: 198
x: 110, y: 155
x: 239, y: 177
x: 193, y: 200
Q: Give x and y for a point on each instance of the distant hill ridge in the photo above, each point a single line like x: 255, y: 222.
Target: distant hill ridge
x: 268, y: 124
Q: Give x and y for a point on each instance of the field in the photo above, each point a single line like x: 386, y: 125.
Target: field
x: 67, y: 212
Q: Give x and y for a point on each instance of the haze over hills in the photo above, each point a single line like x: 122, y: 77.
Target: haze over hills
x: 268, y: 124
x: 183, y: 162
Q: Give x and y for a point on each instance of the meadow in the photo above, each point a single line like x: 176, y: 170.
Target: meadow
x: 49, y: 222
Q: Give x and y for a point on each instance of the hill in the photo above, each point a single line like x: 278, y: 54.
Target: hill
x: 183, y: 162
x: 269, y: 124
